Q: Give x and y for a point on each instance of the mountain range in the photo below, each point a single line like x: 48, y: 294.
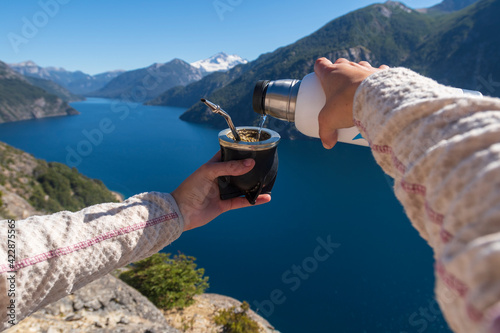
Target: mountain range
x: 148, y: 83
x: 457, y: 48
x: 20, y: 100
x: 76, y: 82
x: 58, y: 84
x: 138, y: 85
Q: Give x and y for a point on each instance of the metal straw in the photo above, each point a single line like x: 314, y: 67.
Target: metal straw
x: 217, y: 109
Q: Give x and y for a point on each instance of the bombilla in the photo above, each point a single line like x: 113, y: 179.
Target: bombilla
x: 217, y: 109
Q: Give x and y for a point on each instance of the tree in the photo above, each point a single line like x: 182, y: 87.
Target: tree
x: 167, y: 282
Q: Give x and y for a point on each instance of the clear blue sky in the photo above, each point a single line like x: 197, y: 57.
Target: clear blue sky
x: 100, y: 35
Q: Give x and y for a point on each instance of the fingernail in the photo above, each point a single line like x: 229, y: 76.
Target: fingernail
x: 247, y: 162
x: 327, y: 146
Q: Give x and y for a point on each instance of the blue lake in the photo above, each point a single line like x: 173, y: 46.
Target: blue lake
x: 332, y: 252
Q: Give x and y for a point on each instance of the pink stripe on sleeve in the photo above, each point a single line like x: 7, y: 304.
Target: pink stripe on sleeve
x: 86, y: 243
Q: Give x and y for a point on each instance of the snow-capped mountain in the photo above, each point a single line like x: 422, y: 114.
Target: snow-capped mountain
x: 218, y: 63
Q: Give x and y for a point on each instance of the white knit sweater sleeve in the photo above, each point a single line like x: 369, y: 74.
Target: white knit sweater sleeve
x: 60, y: 253
x: 443, y: 149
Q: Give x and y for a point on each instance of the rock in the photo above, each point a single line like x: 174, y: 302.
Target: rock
x: 109, y: 305
x: 53, y: 330
x: 103, y: 306
x: 77, y: 305
x: 93, y: 305
x: 65, y: 306
x: 198, y: 318
x: 15, y: 206
x: 73, y: 317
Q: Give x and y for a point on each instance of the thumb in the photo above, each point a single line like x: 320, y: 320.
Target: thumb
x: 230, y: 168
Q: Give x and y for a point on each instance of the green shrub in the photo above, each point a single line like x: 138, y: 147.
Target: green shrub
x: 38, y: 201
x: 234, y: 321
x: 167, y: 282
x: 66, y: 188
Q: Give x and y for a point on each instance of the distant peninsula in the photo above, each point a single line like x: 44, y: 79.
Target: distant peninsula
x: 21, y: 100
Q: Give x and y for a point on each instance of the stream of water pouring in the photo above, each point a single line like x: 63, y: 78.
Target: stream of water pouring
x: 262, y: 121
